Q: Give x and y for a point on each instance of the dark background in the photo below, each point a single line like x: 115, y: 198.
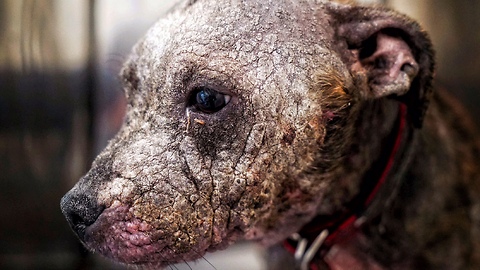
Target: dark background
x: 57, y: 113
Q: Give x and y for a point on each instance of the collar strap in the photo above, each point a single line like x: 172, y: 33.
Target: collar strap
x: 320, y: 234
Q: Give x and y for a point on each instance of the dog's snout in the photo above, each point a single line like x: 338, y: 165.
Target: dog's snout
x: 80, y: 211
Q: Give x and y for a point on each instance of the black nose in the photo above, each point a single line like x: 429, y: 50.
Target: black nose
x: 80, y: 211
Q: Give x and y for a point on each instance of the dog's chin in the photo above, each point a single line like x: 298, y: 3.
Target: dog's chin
x: 123, y: 238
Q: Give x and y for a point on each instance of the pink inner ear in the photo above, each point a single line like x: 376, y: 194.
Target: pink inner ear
x: 392, y: 67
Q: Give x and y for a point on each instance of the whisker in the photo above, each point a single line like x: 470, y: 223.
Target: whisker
x: 209, y: 263
x: 205, y: 259
x: 189, y: 267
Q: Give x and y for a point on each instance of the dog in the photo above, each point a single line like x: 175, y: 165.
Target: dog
x: 298, y: 124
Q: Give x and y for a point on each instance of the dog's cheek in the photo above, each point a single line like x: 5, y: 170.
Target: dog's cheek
x: 289, y: 173
x: 274, y: 196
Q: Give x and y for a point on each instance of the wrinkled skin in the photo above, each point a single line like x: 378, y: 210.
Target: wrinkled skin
x: 177, y: 181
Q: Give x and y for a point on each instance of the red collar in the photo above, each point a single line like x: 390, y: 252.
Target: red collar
x: 316, y: 237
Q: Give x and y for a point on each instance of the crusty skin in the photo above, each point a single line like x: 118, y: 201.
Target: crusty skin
x: 306, y: 119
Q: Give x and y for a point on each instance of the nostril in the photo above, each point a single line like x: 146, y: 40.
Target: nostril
x: 76, y: 219
x: 77, y: 223
x: 80, y: 211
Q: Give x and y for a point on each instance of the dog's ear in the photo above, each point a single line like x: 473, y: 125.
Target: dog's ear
x: 388, y: 52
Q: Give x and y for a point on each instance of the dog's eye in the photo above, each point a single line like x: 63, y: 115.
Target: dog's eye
x: 208, y: 100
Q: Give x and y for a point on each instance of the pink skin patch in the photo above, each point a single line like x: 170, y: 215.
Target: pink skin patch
x: 119, y: 235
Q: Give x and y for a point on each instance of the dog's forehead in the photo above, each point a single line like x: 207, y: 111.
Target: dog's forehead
x: 240, y: 18
x: 239, y: 31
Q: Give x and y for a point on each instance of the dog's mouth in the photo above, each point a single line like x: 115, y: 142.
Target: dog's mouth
x: 120, y: 235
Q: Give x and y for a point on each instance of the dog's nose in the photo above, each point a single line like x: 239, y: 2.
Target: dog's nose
x: 80, y: 211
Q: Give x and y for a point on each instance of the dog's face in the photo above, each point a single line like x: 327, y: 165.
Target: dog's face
x: 236, y: 128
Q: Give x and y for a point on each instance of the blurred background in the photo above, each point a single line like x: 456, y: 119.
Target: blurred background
x: 60, y: 102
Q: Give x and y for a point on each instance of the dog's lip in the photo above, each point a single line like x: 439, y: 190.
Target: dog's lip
x: 118, y: 235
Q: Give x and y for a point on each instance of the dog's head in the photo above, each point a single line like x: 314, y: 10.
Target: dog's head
x: 243, y: 123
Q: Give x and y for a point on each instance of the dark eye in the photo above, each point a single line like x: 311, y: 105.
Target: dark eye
x: 208, y: 100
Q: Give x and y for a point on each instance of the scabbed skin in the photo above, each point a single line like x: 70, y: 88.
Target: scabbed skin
x: 306, y: 118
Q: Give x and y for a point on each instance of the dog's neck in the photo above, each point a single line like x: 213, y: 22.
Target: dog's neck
x: 315, y: 239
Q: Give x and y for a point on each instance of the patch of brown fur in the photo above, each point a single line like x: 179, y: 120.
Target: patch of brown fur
x: 336, y: 105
